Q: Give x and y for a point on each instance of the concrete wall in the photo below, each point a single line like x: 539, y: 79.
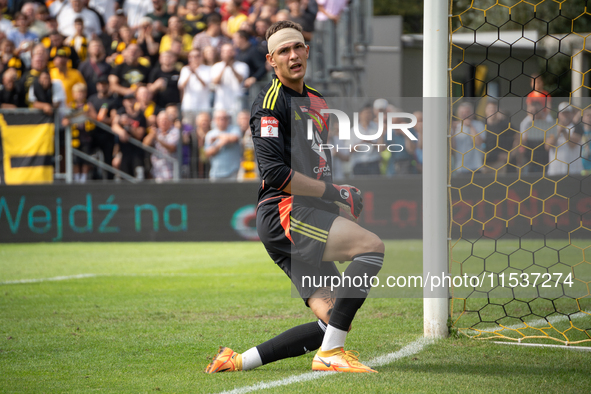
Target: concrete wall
x: 383, y: 62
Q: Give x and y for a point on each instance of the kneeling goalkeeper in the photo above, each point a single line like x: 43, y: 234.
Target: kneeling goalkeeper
x: 298, y: 216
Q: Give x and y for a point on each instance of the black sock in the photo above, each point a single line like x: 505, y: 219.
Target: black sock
x: 293, y: 342
x: 350, y: 297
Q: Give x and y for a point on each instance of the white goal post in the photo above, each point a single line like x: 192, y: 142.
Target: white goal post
x: 435, y: 124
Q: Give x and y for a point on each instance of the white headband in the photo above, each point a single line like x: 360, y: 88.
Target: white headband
x: 282, y: 37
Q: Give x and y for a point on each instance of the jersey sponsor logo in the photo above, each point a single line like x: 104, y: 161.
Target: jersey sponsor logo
x: 269, y: 127
x: 322, y: 170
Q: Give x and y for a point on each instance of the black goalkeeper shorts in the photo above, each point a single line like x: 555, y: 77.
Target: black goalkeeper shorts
x: 295, y: 238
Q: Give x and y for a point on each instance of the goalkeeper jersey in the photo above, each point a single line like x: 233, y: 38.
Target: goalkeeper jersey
x: 279, y: 133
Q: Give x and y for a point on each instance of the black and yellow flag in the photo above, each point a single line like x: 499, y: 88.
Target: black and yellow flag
x: 26, y: 148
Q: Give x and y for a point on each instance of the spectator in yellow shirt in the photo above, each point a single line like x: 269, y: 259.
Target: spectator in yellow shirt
x: 176, y: 30
x: 68, y: 76
x: 232, y: 25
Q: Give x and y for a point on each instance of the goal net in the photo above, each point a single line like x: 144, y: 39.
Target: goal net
x: 519, y: 169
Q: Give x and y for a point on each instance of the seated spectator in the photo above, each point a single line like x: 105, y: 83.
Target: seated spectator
x: 78, y: 41
x: 269, y: 11
x: 403, y: 160
x: 248, y: 166
x: 110, y: 33
x: 56, y: 42
x: 212, y: 36
x: 176, y: 31
x: 255, y: 11
x: 260, y: 29
x: 38, y: 64
x: 235, y: 18
x: 194, y: 21
x: 10, y: 58
x: 11, y: 95
x: 129, y: 123
x: 304, y: 13
x: 209, y: 8
x: 210, y: 56
x: 149, y: 41
x: 250, y: 55
x: 103, y: 103
x: 22, y: 38
x: 366, y: 162
x: 467, y: 141
x: 586, y: 142
x: 36, y: 15
x: 222, y: 147
x: 542, y: 97
x: 125, y: 78
x: 165, y: 138
x: 228, y: 76
x: 499, y: 138
x: 282, y: 15
x: 5, y: 24
x: 95, y: 67
x: 47, y: 95
x: 193, y: 84
x: 104, y: 107
x: 163, y: 81
x: 173, y: 113
x: 562, y: 143
x: 340, y: 158
x: 200, y: 160
x: 145, y: 104
x: 124, y: 40
x: 531, y: 150
x: 68, y: 76
x: 77, y: 9
x: 81, y: 132
x: 160, y: 17
x: 51, y: 25
x: 419, y: 130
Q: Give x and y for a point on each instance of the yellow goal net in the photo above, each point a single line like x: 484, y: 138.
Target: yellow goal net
x: 520, y: 169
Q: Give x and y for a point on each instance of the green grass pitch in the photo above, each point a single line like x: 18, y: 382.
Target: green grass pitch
x: 152, y: 314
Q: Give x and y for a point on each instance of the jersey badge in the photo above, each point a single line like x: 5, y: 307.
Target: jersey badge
x: 269, y: 127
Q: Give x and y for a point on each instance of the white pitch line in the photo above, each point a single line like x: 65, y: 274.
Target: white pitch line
x: 54, y: 279
x: 408, y: 350
x: 82, y: 276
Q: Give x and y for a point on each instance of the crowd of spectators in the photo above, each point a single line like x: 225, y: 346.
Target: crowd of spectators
x: 554, y: 142
x: 127, y: 62
x: 389, y: 154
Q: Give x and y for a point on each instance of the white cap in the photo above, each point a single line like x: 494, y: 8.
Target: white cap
x: 380, y: 104
x: 565, y: 106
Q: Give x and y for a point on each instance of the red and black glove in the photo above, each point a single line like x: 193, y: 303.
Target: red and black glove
x: 345, y: 196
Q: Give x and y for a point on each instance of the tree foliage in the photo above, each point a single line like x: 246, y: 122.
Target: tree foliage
x: 411, y: 12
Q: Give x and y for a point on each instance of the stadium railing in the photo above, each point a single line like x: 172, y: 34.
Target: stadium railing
x: 70, y: 152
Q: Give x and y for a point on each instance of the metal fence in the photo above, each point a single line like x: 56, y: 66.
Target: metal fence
x: 70, y: 152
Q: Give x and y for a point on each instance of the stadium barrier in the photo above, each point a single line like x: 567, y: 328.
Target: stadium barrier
x: 204, y: 211
x: 70, y: 152
x: 27, y: 141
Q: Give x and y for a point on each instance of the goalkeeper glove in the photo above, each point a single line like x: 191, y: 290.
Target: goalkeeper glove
x: 345, y: 196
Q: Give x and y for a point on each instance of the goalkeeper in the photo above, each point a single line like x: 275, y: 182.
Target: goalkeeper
x: 298, y: 216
